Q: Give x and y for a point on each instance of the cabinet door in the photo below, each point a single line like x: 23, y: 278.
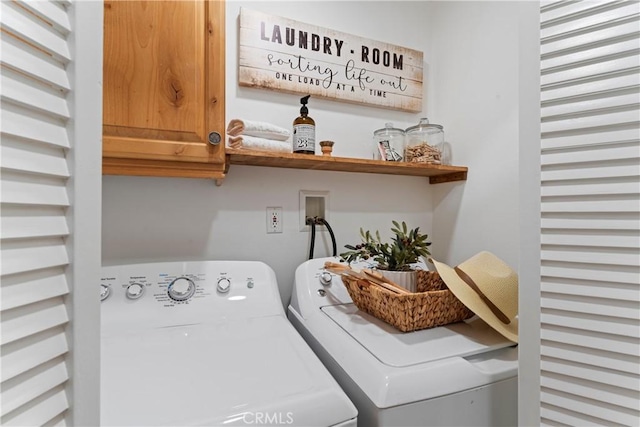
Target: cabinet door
x: 163, y: 88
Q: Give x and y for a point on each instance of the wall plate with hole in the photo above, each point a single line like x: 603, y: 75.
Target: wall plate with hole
x: 313, y: 204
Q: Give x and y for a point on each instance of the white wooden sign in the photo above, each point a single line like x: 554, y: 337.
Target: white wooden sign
x: 290, y: 56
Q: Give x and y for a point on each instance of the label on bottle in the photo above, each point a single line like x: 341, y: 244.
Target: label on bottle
x: 304, y: 138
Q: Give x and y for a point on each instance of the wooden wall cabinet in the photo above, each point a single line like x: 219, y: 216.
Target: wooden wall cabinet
x: 164, y: 77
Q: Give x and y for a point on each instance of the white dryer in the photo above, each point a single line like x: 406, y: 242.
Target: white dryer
x: 208, y: 344
x: 462, y: 374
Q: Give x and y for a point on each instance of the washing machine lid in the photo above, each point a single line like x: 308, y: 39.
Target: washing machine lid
x: 254, y: 371
x: 403, y: 349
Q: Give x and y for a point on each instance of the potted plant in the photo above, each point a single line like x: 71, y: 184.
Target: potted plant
x: 399, y: 255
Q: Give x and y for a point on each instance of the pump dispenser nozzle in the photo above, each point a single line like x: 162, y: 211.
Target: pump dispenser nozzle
x: 303, y: 101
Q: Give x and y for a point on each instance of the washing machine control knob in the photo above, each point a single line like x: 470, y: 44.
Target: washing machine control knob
x: 325, y: 278
x: 181, y: 289
x: 105, y: 291
x: 135, y: 291
x: 223, y: 285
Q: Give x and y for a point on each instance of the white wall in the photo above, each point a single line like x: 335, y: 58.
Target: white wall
x: 84, y: 217
x: 473, y: 91
x: 471, y: 80
x: 529, y: 271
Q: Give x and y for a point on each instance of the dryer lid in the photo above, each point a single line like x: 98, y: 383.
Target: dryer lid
x: 401, y: 349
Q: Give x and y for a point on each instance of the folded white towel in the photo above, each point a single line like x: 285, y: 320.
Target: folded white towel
x: 254, y: 143
x: 258, y: 129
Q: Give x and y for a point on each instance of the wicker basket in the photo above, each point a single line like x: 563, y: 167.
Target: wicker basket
x: 433, y: 305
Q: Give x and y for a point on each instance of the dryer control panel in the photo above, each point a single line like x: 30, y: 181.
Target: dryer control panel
x: 156, y: 295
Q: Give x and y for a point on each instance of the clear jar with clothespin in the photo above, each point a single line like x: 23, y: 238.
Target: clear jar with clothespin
x: 425, y: 143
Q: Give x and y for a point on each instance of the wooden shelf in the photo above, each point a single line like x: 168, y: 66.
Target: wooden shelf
x: 436, y: 173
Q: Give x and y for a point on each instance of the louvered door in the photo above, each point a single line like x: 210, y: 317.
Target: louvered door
x: 50, y: 129
x: 590, y: 213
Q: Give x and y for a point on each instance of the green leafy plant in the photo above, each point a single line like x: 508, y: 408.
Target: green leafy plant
x: 405, y: 248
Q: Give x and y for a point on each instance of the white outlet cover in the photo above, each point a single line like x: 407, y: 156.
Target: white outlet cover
x: 274, y: 220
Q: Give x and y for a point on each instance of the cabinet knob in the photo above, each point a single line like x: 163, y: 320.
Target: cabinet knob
x: 214, y: 138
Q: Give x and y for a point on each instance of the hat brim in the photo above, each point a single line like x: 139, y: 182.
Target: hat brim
x: 472, y: 301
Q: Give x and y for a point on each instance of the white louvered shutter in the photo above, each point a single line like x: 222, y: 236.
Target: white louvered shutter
x: 48, y: 249
x: 590, y: 213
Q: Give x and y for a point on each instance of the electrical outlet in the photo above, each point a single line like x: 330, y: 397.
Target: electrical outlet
x: 274, y: 220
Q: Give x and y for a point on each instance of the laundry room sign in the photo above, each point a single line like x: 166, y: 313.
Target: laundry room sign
x: 285, y: 55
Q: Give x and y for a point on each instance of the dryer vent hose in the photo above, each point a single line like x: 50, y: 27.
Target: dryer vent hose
x: 320, y: 221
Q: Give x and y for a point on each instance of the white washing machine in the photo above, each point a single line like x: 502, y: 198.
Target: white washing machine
x: 208, y: 344
x: 462, y: 374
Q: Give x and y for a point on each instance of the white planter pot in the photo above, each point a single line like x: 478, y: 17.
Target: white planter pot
x: 406, y: 279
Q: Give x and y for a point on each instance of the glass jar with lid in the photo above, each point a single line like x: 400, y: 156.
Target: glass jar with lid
x: 389, y: 143
x: 425, y: 143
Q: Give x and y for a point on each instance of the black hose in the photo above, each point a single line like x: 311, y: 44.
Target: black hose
x: 312, y: 223
x: 333, y: 237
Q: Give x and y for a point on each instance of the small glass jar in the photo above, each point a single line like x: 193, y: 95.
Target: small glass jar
x: 425, y: 143
x: 389, y: 143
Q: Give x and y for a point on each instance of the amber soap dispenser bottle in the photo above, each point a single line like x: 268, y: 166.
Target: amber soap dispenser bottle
x: 304, y: 130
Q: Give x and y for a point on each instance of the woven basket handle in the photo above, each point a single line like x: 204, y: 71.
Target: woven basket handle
x: 369, y: 278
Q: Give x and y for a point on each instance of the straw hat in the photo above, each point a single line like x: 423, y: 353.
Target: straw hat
x: 488, y: 287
